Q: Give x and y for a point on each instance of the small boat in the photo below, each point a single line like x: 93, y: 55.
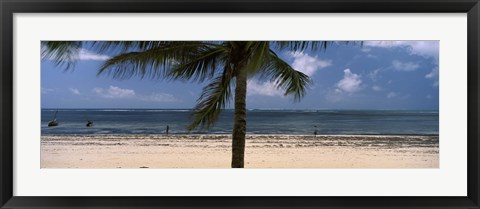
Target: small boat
x: 54, y: 121
x: 89, y: 123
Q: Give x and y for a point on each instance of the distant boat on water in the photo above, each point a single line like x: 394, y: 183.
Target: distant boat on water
x: 54, y: 121
x: 89, y: 123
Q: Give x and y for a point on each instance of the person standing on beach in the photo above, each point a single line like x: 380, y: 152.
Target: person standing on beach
x: 315, y: 132
x: 168, y: 128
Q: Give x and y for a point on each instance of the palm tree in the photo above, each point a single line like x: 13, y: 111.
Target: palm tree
x: 225, y: 64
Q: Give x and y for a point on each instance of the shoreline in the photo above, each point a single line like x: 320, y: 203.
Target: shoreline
x: 262, y: 151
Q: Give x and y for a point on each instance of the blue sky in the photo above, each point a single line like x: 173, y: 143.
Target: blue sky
x: 377, y: 75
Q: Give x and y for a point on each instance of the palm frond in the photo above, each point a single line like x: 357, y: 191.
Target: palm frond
x: 293, y: 82
x: 308, y: 45
x: 125, y: 46
x: 129, y: 46
x: 257, y: 52
x: 61, y: 52
x: 215, y: 96
x: 201, y: 65
x: 301, y: 45
x: 149, y: 63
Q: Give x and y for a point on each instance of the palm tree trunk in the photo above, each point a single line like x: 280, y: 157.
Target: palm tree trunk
x: 240, y: 119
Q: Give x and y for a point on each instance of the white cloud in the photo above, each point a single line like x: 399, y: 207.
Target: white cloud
x: 374, y: 75
x: 433, y: 75
x: 335, y: 95
x: 388, y: 44
x: 421, y: 48
x: 74, y: 91
x: 424, y: 48
x: 255, y: 87
x: 404, y: 66
x: 365, y: 49
x: 47, y: 90
x: 391, y: 95
x: 114, y: 92
x: 429, y: 96
x: 377, y: 88
x: 383, y: 44
x: 308, y: 64
x: 350, y: 83
x: 344, y: 88
x: 159, y: 97
x: 84, y: 54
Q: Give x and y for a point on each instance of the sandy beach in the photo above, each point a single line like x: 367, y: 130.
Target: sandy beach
x: 262, y: 151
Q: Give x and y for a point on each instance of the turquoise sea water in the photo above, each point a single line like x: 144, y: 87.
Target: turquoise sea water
x: 154, y: 121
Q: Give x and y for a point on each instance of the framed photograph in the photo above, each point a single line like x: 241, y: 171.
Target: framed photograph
x: 237, y: 104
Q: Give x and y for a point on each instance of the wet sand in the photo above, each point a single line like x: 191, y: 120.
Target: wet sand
x: 262, y: 151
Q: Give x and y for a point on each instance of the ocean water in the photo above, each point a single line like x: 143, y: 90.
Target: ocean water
x: 154, y: 121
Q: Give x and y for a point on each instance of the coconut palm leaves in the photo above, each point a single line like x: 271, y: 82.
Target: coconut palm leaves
x: 293, y: 82
x: 215, y: 96
x: 61, y: 52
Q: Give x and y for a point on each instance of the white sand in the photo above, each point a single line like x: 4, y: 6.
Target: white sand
x: 262, y: 151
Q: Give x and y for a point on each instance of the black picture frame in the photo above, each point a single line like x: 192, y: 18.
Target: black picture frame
x: 10, y: 7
